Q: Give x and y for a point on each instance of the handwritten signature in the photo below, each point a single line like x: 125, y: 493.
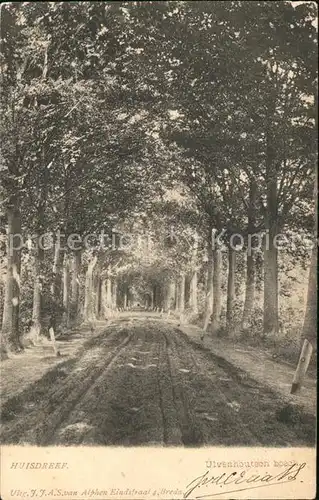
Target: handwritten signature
x: 245, y: 478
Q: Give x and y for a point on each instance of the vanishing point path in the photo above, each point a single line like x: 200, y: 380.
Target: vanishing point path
x: 142, y: 381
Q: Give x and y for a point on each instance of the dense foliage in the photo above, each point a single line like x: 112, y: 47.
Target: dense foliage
x: 170, y: 122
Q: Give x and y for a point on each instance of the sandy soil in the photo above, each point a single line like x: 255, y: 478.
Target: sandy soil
x: 25, y: 368
x: 142, y: 381
x: 261, y: 366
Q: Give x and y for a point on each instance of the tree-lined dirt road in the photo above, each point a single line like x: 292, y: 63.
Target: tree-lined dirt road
x: 144, y: 382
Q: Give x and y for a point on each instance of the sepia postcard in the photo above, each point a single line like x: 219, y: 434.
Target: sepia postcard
x: 158, y: 250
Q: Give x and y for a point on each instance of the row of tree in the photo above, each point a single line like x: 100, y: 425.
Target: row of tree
x: 110, y: 108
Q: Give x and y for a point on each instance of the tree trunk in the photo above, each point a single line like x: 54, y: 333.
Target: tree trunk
x: 193, y: 293
x: 88, y: 298
x: 104, y: 308
x: 187, y: 290
x: 97, y: 287
x: 209, y: 282
x: 158, y: 297
x: 109, y: 289
x: 75, y: 284
x: 182, y: 293
x: 1, y: 302
x: 217, y: 275
x: 170, y: 295
x: 10, y: 338
x: 270, y: 320
x: 125, y: 299
x: 250, y: 259
x: 309, y: 330
x: 231, y: 286
x: 182, y: 298
x: 114, y: 293
x: 56, y: 287
x: 177, y: 296
x: 206, y: 280
x: 41, y: 292
x: 37, y: 313
x: 250, y: 289
x: 193, y: 283
x: 66, y: 291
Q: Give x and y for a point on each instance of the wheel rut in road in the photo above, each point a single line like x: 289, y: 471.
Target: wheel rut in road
x: 222, y: 407
x: 190, y: 430
x: 44, y: 409
x: 143, y: 382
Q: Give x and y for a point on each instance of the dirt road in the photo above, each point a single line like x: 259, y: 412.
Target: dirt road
x: 143, y: 382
